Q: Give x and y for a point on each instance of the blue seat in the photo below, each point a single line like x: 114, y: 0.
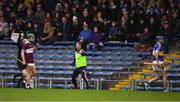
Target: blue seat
x: 175, y: 59
x: 10, y: 84
x: 62, y: 86
x: 64, y: 43
x: 58, y: 86
x: 44, y: 72
x: 67, y: 72
x: 140, y: 80
x: 125, y: 87
x: 9, y: 71
x: 10, y: 46
x: 177, y: 75
x: 8, y: 66
x: 44, y: 78
x: 175, y: 65
x: 174, y: 69
x: 61, y: 78
x: 144, y: 80
x: 104, y: 68
x: 103, y: 73
x: 139, y: 88
x: 175, y: 81
x: 8, y: 51
x: 2, y: 66
x: 6, y: 41
x: 112, y: 43
x: 156, y: 88
x: 43, y: 85
x: 175, y: 88
x: 117, y: 48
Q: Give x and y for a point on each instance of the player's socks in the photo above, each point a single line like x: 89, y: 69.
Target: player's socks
x: 146, y: 85
x: 166, y: 90
x: 27, y: 86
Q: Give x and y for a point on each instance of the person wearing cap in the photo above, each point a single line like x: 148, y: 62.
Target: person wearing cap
x: 27, y: 58
x: 158, y: 66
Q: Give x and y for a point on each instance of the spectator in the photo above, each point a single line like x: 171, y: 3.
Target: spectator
x: 84, y: 35
x: 76, y: 28
x: 105, y: 29
x: 11, y: 29
x: 64, y: 33
x: 6, y: 31
x: 47, y: 18
x: 28, y: 3
x: 48, y: 34
x: 131, y: 32
x: 166, y: 32
x: 113, y: 31
x: 124, y: 21
x: 56, y: 23
x: 12, y: 17
x: 19, y: 25
x: 138, y: 13
x: 113, y: 10
x: 30, y: 16
x: 95, y: 40
x: 96, y: 22
x: 146, y: 36
x: 58, y: 9
x: 2, y: 27
x: 86, y: 17
x: 29, y: 28
x: 37, y: 31
x: 20, y: 10
x: 39, y: 15
x: 153, y: 26
x: 140, y: 26
x: 145, y: 41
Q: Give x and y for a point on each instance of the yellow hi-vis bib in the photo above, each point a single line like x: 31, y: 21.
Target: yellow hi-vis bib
x: 80, y: 60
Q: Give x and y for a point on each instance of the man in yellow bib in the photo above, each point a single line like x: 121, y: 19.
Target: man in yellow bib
x: 80, y: 64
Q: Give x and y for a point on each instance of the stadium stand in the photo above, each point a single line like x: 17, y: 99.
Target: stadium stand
x: 53, y: 62
x: 56, y: 24
x: 135, y: 81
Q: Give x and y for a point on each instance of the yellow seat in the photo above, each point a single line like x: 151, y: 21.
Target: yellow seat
x: 114, y: 89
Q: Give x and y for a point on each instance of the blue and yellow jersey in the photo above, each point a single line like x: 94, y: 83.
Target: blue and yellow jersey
x: 160, y: 51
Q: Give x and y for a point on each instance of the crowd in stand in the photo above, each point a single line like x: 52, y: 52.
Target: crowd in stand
x: 90, y: 21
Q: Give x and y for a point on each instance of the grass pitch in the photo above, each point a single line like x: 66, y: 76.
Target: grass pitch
x: 14, y: 94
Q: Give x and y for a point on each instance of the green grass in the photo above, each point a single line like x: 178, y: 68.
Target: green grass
x: 13, y: 94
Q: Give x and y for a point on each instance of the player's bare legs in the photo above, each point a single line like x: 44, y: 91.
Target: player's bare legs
x: 31, y: 71
x: 165, y: 83
x: 24, y: 73
x: 157, y: 77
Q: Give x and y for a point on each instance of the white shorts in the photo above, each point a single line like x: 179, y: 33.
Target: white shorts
x: 32, y: 65
x: 155, y: 67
